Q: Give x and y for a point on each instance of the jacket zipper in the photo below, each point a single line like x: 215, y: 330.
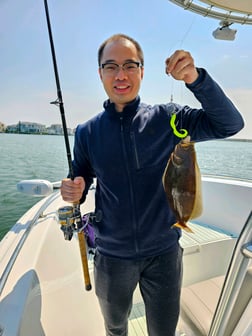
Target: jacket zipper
x: 130, y: 186
x: 133, y: 139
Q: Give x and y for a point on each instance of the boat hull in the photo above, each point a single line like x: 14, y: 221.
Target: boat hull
x: 42, y: 289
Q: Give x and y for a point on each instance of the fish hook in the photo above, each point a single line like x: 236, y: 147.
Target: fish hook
x: 182, y: 133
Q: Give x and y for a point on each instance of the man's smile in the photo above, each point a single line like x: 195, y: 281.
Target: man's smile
x: 121, y: 87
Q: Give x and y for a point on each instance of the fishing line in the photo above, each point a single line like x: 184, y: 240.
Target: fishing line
x: 188, y: 31
x: 181, y: 41
x: 182, y: 133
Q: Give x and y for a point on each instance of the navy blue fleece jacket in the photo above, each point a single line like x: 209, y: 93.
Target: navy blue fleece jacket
x: 127, y: 153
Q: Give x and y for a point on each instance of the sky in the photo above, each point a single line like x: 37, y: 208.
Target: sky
x: 27, y: 82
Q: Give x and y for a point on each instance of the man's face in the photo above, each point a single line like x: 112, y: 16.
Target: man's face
x: 121, y: 86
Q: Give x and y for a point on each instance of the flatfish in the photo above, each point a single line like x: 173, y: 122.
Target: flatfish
x: 182, y: 183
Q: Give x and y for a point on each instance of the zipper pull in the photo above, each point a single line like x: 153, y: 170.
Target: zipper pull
x: 121, y: 123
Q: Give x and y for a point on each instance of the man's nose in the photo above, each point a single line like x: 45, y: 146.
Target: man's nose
x: 121, y: 73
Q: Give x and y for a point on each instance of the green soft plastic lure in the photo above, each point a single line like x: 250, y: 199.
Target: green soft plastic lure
x: 182, y: 133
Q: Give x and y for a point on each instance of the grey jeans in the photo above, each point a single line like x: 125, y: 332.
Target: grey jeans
x: 159, y: 281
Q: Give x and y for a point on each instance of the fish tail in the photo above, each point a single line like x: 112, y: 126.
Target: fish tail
x: 183, y: 226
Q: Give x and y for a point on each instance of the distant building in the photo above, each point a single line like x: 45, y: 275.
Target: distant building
x: 27, y: 127
x: 31, y: 127
x: 2, y: 127
x: 57, y: 129
x: 12, y: 128
x: 70, y: 131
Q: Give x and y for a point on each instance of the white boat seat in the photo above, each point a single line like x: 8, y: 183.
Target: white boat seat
x: 204, y: 247
x: 199, y: 301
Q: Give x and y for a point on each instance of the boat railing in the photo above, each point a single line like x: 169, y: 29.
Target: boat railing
x: 214, y: 12
x: 223, y: 319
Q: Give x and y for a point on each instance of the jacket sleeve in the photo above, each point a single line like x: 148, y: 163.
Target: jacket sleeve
x: 218, y: 118
x: 81, y: 163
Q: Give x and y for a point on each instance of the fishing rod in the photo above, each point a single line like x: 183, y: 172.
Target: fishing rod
x: 69, y: 217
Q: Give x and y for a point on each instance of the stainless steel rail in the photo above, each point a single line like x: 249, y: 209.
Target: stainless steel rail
x: 238, y: 267
x: 211, y: 12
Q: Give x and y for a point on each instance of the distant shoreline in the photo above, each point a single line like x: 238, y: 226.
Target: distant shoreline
x: 228, y: 139
x: 20, y: 133
x: 235, y: 139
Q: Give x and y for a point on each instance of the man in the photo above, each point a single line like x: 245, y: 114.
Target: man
x: 126, y: 147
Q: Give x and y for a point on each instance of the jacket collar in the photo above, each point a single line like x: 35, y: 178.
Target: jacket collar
x: 129, y: 110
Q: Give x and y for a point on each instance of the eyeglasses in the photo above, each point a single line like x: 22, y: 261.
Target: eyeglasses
x: 111, y: 68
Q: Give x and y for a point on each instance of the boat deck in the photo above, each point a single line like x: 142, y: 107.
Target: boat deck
x: 137, y: 321
x: 195, y: 246
x: 44, y: 287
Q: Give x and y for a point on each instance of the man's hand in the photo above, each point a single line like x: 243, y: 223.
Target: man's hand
x: 72, y: 190
x: 181, y: 66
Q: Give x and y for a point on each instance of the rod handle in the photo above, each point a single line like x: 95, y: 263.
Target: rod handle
x: 83, y: 252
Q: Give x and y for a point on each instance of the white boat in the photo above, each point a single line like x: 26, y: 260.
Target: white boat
x: 42, y: 290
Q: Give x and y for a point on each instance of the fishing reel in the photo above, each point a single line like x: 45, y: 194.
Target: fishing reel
x: 69, y: 218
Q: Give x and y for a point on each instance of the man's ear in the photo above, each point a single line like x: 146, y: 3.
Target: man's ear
x: 100, y: 73
x: 142, y: 72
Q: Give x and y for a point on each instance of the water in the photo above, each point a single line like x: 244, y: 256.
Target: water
x: 27, y: 157
x: 44, y: 157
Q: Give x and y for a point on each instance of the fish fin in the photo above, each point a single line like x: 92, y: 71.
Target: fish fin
x: 183, y: 226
